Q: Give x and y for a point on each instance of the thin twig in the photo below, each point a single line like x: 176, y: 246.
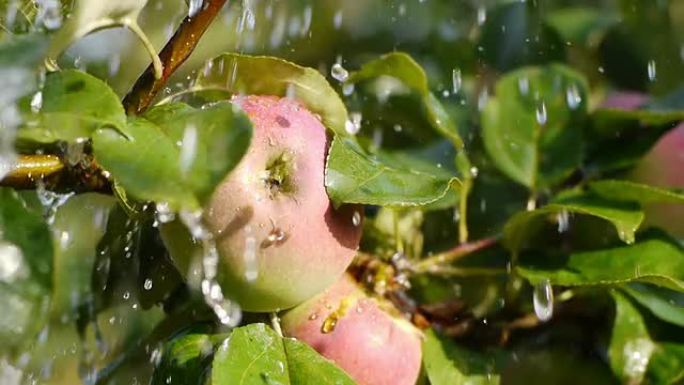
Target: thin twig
x: 452, y: 255
x: 174, y: 53
x: 54, y: 173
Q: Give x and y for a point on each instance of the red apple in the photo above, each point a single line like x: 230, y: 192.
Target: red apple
x: 359, y: 334
x: 280, y: 239
x: 663, y: 166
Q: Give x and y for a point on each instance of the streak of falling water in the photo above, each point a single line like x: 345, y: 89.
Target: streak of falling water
x: 250, y: 257
x: 542, y: 299
x: 542, y: 116
x: 188, y: 149
x: 456, y: 80
x: 651, y: 70
x: 573, y: 97
x: 228, y: 312
x: 194, y: 6
x: 563, y: 219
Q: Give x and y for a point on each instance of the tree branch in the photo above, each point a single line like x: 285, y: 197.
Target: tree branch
x: 450, y: 256
x: 176, y: 51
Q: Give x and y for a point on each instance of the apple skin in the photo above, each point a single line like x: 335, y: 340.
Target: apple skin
x: 663, y: 166
x: 279, y: 237
x: 371, y: 345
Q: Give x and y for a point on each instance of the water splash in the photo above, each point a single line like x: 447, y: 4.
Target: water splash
x: 49, y: 14
x: 227, y: 312
x: 194, y: 6
x: 338, y: 72
x: 637, y: 353
x: 542, y: 299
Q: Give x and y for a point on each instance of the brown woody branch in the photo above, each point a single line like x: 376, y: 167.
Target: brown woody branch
x: 55, y: 173
x: 176, y: 51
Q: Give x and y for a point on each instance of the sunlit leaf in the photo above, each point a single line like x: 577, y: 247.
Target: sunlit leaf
x: 89, y: 16
x: 74, y: 105
x: 402, y: 67
x: 185, y: 360
x: 449, y: 364
x: 624, y: 190
x: 656, y: 259
x: 631, y: 346
x: 255, y: 354
x: 353, y: 176
x: 532, y: 127
x: 624, y: 216
x: 264, y: 75
x: 662, y: 303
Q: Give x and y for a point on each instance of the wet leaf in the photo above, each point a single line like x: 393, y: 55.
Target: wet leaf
x: 25, y: 273
x: 402, y: 67
x: 631, y: 346
x: 145, y: 162
x: 663, y: 303
x: 74, y: 105
x: 655, y: 259
x: 185, y: 360
x: 449, y: 364
x: 89, y: 16
x: 220, y: 133
x: 624, y: 190
x: 354, y: 176
x: 255, y: 354
x: 532, y: 127
x: 624, y: 216
x: 264, y: 75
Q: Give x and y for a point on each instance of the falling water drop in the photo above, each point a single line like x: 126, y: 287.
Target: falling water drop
x: 37, y: 102
x: 148, y: 284
x: 651, y: 69
x: 456, y: 80
x: 353, y: 125
x: 542, y: 299
x: 188, y: 149
x: 524, y: 85
x: 250, y: 259
x: 339, y: 73
x: 356, y: 218
x: 563, y: 219
x: 573, y: 97
x: 541, y: 114
x: 194, y: 6
x: 337, y: 19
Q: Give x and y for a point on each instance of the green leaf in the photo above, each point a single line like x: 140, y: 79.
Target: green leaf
x: 655, y: 259
x: 631, y: 346
x: 401, y: 66
x: 264, y: 75
x: 531, y: 129
x: 635, y: 192
x: 26, y: 275
x: 74, y: 105
x: 448, y: 364
x: 184, y: 360
x: 625, y: 217
x: 256, y: 355
x: 353, y: 176
x: 307, y: 367
x: 221, y: 133
x: 579, y: 24
x: 661, y: 302
x: 89, y: 16
x: 666, y: 365
x: 145, y: 162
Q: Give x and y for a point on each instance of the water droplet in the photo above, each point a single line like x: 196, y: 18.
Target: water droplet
x: 334, y: 317
x: 37, y: 102
x: 563, y: 218
x: 524, y: 85
x: 163, y: 212
x: 481, y: 15
x: 347, y: 89
x: 356, y: 218
x: 573, y: 97
x: 339, y: 73
x: 651, y: 69
x: 194, y: 6
x: 637, y: 353
x: 541, y: 115
x: 542, y: 299
x: 126, y: 295
x: 188, y: 149
x: 353, y: 125
x: 148, y: 284
x: 456, y: 80
x: 12, y: 265
x: 313, y: 316
x: 337, y: 19
x: 250, y: 259
x: 474, y: 171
